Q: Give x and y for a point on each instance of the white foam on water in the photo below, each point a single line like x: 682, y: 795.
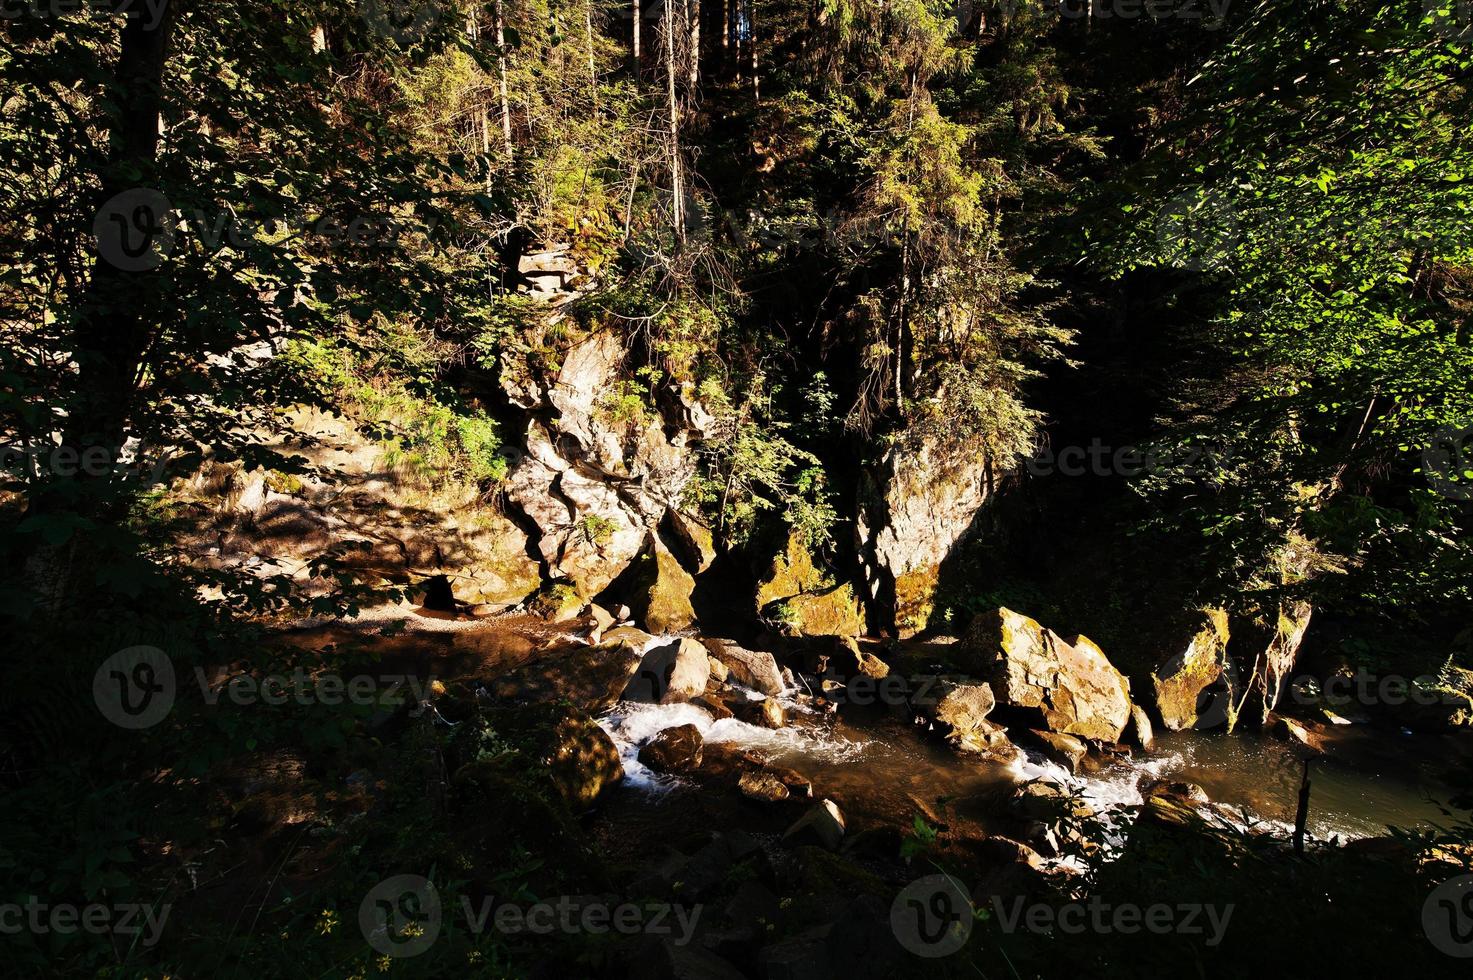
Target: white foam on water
x: 1116, y: 789
x: 631, y: 724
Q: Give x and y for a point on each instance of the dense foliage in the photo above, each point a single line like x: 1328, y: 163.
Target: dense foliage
x: 851, y: 227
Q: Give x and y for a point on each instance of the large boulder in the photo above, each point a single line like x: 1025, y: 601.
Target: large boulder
x: 796, y: 595
x: 1070, y: 685
x: 953, y: 705
x: 564, y: 744
x: 1190, y: 688
x: 755, y: 669
x: 662, y: 589
x: 670, y: 674
x: 673, y: 750
x: 582, y: 758
x: 957, y: 710
x: 922, y: 501
x: 590, y: 677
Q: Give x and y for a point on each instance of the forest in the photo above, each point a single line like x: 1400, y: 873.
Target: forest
x: 704, y: 489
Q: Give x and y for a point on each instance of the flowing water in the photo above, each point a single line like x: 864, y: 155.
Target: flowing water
x: 883, y: 769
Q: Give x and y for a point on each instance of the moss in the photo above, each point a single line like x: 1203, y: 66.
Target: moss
x: 663, y: 590
x: 287, y: 483
x: 914, y: 599
x: 809, y: 603
x: 558, y: 602
x: 1201, y: 665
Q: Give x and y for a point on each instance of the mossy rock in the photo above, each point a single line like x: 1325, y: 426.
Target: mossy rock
x: 915, y: 593
x: 558, y: 603
x: 796, y: 594
x: 662, y: 590
x: 507, y: 804
x: 564, y: 743
x: 1178, y: 684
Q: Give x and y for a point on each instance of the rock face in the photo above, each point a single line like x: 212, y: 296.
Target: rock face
x: 1069, y: 684
x: 662, y: 589
x: 694, y: 540
x: 496, y: 571
x: 1178, y: 685
x: 670, y: 674
x: 757, y: 670
x: 922, y: 502
x: 599, y: 473
x: 797, y: 596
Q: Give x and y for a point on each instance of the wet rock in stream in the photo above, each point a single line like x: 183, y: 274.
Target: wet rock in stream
x: 673, y: 750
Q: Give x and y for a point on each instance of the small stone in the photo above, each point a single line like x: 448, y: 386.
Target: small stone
x: 822, y: 825
x: 1179, y: 789
x: 764, y: 713
x: 762, y: 786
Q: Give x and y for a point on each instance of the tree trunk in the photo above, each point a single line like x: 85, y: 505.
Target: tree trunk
x: 638, y: 16
x: 694, y: 12
x: 501, y: 61
x: 113, y: 327
x: 119, y: 310
x: 752, y: 49
x: 592, y: 63
x: 676, y: 191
